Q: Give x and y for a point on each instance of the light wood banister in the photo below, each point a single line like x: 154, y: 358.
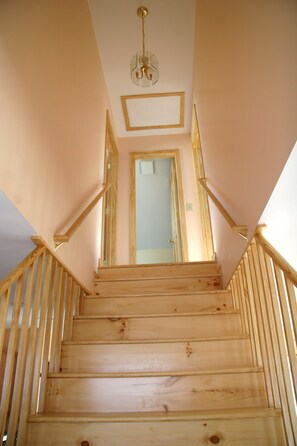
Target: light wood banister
x: 277, y: 257
x: 264, y: 289
x: 59, y: 239
x: 30, y: 340
x: 241, y: 230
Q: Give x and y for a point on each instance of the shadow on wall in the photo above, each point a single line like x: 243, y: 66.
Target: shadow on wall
x: 15, y: 236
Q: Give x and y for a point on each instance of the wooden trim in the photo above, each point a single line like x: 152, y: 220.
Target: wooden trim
x: 205, y: 217
x: 150, y: 155
x: 239, y: 229
x: 59, y: 239
x: 108, y: 227
x: 129, y: 128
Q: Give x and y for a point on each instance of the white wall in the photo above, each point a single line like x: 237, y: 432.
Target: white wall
x: 52, y: 121
x: 245, y: 90
x: 280, y: 214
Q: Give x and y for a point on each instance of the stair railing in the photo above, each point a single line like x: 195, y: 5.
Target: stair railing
x: 37, y: 303
x: 241, y: 230
x: 264, y: 289
x: 59, y: 239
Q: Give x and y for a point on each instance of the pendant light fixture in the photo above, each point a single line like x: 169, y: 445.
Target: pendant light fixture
x: 144, y: 66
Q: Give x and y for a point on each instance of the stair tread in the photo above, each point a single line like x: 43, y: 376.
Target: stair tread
x: 151, y: 374
x: 88, y: 417
x: 157, y: 341
x: 154, y: 315
x: 139, y: 279
x: 157, y: 295
x: 149, y: 265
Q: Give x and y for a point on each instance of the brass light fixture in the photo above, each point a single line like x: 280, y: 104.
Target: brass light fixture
x: 144, y: 66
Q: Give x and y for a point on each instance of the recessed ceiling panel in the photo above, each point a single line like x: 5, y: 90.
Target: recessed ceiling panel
x: 154, y: 111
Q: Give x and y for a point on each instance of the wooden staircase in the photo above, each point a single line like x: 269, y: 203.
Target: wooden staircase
x: 157, y: 357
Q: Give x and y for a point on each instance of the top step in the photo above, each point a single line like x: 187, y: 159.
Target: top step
x: 164, y: 270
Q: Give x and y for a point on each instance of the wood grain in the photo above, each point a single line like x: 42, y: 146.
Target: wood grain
x: 157, y: 393
x: 153, y: 286
x: 158, y: 304
x: 192, y: 431
x: 138, y: 328
x: 159, y: 270
x: 178, y: 356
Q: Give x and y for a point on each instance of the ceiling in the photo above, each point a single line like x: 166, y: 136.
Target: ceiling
x: 169, y: 29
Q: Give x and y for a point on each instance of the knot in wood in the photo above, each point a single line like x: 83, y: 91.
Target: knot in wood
x: 214, y: 439
x: 85, y: 443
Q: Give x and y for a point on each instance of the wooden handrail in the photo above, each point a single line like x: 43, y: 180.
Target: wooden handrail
x: 241, y: 230
x: 59, y: 239
x: 39, y: 242
x: 277, y: 257
x: 263, y: 289
x: 49, y: 295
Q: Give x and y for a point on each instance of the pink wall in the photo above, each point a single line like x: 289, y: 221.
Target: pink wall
x: 148, y: 143
x: 52, y: 120
x: 246, y: 94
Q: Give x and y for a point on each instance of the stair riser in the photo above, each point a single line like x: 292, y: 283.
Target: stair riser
x: 156, y: 286
x: 179, y: 327
x: 236, y: 432
x: 173, y: 270
x: 156, y: 304
x: 144, y: 394
x: 204, y: 355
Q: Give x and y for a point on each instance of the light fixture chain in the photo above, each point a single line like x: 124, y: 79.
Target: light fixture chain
x: 143, y: 37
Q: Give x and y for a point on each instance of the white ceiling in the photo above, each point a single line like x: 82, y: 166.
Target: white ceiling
x: 169, y: 29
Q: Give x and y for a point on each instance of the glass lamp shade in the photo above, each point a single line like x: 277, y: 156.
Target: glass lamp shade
x: 144, y: 69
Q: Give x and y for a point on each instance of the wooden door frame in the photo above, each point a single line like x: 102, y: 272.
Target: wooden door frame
x: 151, y: 155
x: 205, y: 219
x: 108, y: 246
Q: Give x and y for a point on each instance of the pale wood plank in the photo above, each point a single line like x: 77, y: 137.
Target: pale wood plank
x: 283, y: 375
x: 48, y: 335
x: 60, y: 326
x: 68, y: 310
x: 21, y: 359
x: 151, y: 286
x: 185, y: 327
x: 189, y: 355
x: 165, y: 393
x: 54, y: 340
x: 253, y: 313
x: 159, y: 270
x: 4, y: 304
x: 277, y: 258
x: 9, y: 371
x: 266, y: 431
x: 41, y: 334
x: 158, y: 304
x: 288, y: 329
x: 265, y: 339
x: 270, y: 326
x: 31, y: 353
x: 205, y: 217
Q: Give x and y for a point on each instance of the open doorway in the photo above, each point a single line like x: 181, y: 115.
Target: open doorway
x: 157, y: 213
